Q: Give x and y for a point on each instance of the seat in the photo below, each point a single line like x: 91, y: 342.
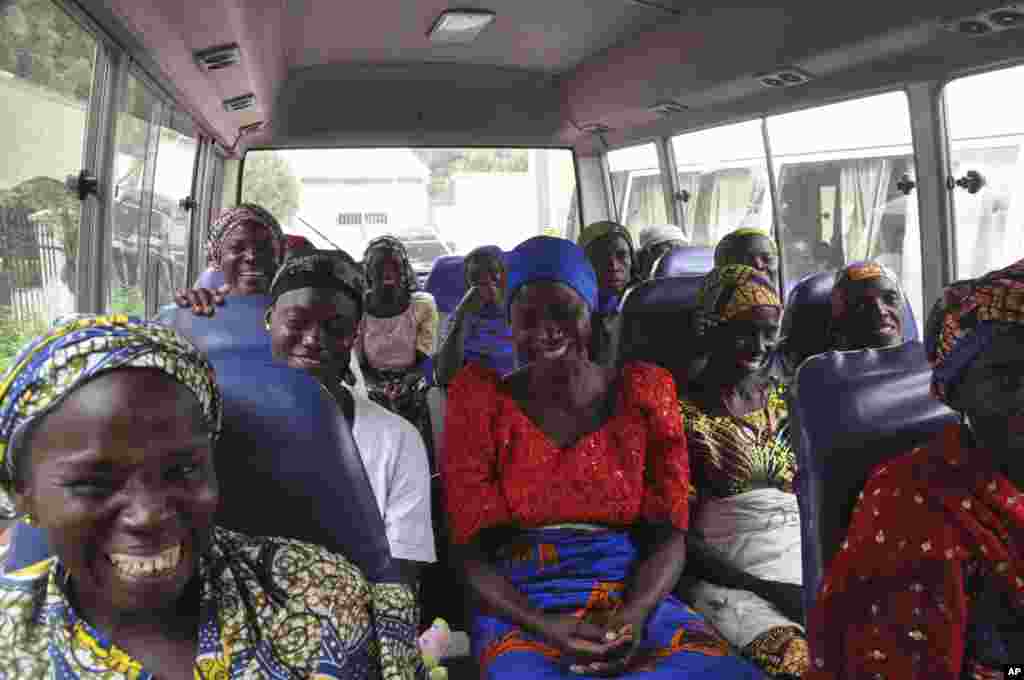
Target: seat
x: 685, y: 261
x: 849, y: 412
x: 286, y: 462
x: 657, y: 324
x: 210, y: 278
x: 808, y: 317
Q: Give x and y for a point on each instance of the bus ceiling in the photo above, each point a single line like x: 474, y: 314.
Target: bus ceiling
x: 541, y: 73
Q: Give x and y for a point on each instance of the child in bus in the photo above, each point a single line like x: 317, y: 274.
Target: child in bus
x: 478, y: 331
x: 547, y: 472
x: 397, y: 333
x: 867, y: 307
x: 654, y: 242
x: 930, y: 580
x: 610, y: 251
x: 313, y: 320
x: 744, y: 542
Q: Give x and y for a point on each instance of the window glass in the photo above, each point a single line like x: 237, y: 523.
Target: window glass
x: 637, y: 187
x: 46, y: 72
x: 138, y: 134
x: 986, y: 133
x: 437, y: 201
x: 837, y: 168
x: 169, y: 222
x: 724, y: 174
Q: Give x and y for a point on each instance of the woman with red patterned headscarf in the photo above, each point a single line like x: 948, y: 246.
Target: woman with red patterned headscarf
x: 930, y: 580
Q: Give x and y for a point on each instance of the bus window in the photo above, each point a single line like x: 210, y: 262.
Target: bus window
x: 138, y: 133
x: 169, y: 221
x: 838, y: 170
x: 637, y: 187
x: 986, y: 133
x: 46, y: 72
x: 437, y: 201
x: 724, y: 174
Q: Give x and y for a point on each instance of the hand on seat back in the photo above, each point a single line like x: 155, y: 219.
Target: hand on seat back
x: 201, y: 300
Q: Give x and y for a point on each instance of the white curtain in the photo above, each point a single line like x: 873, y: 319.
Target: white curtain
x: 864, y: 185
x: 910, y: 269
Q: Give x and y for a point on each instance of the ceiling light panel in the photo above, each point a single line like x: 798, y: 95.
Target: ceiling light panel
x: 457, y: 26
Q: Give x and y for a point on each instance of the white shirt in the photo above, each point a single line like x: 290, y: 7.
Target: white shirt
x: 396, y: 462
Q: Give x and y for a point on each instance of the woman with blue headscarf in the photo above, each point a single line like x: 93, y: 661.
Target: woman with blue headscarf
x: 930, y: 580
x: 561, y: 460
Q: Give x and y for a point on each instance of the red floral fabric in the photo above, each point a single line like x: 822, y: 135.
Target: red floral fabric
x: 896, y: 601
x: 500, y: 469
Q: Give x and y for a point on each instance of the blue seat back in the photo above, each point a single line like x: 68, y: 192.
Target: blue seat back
x: 658, y: 322
x: 849, y: 412
x: 808, y: 317
x: 685, y: 261
x: 286, y: 462
x: 447, y: 282
x: 210, y: 278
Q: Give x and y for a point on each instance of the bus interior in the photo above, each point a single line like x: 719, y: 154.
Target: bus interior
x: 849, y: 131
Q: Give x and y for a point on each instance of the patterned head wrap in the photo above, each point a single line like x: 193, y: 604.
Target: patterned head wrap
x: 853, y: 273
x: 599, y: 230
x: 962, y: 323
x: 730, y: 291
x: 331, y: 269
x: 75, y: 351
x: 392, y: 246
x: 726, y: 248
x: 231, y: 219
x: 546, y: 258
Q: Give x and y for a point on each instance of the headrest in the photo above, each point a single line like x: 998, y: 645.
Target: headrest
x: 285, y: 441
x: 447, y: 282
x: 684, y: 261
x: 210, y: 278
x: 807, y: 319
x: 658, y: 321
x: 849, y: 412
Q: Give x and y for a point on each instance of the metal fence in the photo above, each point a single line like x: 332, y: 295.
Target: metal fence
x: 33, y: 266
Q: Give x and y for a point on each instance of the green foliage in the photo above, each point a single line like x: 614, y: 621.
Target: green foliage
x: 269, y: 181
x: 491, y: 160
x: 15, y: 334
x: 127, y: 300
x: 41, y: 43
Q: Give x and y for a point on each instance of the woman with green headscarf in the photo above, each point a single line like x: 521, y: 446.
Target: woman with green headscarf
x: 107, y: 433
x: 745, y: 545
x: 609, y: 249
x: 751, y: 247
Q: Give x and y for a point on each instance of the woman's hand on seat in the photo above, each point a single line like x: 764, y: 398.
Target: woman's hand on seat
x: 201, y: 300
x: 581, y: 643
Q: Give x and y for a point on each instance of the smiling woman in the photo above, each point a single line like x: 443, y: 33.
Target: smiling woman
x: 247, y: 244
x: 107, y: 427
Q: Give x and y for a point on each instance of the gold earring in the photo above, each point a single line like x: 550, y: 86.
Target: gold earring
x: 266, y: 320
x: 27, y: 519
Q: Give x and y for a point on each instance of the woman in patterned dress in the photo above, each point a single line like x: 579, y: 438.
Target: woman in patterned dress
x: 107, y: 430
x: 547, y: 471
x: 930, y: 580
x: 745, y: 541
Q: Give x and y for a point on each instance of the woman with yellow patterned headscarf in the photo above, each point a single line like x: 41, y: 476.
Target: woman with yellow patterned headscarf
x: 745, y: 529
x: 935, y: 547
x: 107, y: 427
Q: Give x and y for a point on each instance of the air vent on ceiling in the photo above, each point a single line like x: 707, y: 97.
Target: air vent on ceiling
x: 784, y: 77
x: 246, y: 101
x: 457, y: 26
x: 251, y: 128
x: 594, y: 128
x: 984, y: 23
x: 668, y: 107
x: 216, y: 58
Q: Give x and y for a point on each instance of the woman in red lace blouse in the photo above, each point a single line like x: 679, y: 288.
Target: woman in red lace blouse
x: 545, y: 472
x: 930, y: 581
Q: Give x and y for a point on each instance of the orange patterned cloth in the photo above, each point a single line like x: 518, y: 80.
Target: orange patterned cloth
x: 634, y: 466
x: 730, y: 291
